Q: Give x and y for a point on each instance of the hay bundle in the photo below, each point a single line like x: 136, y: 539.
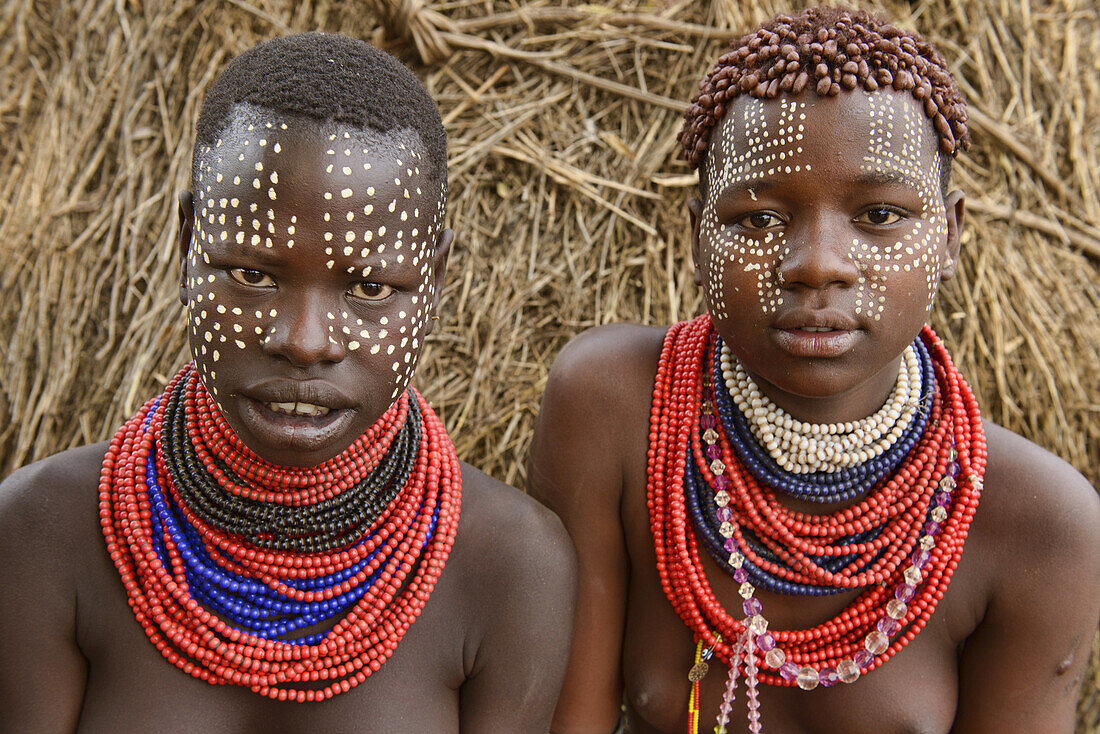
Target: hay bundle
x: 567, y: 192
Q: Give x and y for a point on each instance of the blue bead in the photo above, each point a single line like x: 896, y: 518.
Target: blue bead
x: 819, y: 487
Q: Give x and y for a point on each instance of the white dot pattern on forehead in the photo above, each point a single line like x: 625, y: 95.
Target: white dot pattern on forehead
x: 895, y: 147
x: 896, y: 142
x: 764, y: 154
x: 211, y: 225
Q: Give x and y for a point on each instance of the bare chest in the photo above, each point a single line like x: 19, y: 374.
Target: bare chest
x: 130, y: 686
x: 914, y: 691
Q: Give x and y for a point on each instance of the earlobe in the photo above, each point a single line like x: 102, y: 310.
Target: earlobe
x: 955, y: 212
x: 443, y: 244
x: 186, y: 212
x: 695, y: 211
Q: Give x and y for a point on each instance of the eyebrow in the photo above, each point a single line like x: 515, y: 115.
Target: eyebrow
x: 230, y: 249
x: 741, y: 187
x: 889, y: 176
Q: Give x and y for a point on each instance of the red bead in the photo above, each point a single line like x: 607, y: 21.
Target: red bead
x: 204, y: 646
x: 899, y: 505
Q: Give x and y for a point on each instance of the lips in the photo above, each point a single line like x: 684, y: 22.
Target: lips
x: 304, y: 397
x: 816, y: 320
x: 815, y: 333
x: 295, y: 416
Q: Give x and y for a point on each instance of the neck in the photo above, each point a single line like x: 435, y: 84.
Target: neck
x: 851, y: 405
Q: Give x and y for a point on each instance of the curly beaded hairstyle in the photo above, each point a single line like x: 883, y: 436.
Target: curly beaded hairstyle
x: 327, y: 78
x: 830, y: 50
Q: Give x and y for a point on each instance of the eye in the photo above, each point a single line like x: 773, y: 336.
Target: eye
x: 880, y: 215
x: 759, y: 220
x: 252, y: 278
x: 370, y: 291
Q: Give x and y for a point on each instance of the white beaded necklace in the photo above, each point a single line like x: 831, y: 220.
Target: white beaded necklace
x: 804, y: 448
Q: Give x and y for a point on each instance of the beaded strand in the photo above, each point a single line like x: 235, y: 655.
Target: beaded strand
x: 227, y: 610
x: 899, y: 544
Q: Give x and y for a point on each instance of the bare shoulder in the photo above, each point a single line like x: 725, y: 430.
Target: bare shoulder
x: 1036, y: 493
x: 594, y: 416
x: 516, y: 569
x: 1038, y: 510
x: 607, y: 363
x: 49, y: 502
x: 505, y: 534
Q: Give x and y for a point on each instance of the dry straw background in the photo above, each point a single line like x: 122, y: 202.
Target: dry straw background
x: 567, y: 192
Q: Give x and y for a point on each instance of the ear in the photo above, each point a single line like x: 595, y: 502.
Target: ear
x: 186, y: 211
x: 955, y: 211
x: 443, y: 244
x: 695, y: 211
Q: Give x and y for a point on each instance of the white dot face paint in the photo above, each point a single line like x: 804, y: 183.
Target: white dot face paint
x: 824, y: 213
x: 763, y: 150
x: 897, y: 138
x: 296, y: 277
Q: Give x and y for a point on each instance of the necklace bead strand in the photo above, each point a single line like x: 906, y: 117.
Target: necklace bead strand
x: 223, y: 609
x: 899, y: 543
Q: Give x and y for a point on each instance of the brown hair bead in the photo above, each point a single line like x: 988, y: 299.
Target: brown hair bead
x: 837, y: 49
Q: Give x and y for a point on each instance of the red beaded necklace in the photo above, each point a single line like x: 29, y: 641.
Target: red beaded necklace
x: 953, y: 446
x: 390, y: 569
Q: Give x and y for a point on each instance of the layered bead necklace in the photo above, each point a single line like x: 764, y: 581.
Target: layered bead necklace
x: 721, y: 454
x: 227, y: 559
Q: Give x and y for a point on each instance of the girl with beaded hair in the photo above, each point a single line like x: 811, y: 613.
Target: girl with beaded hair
x: 796, y: 491
x: 284, y: 540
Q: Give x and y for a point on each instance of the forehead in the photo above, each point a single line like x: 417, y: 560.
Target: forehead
x: 292, y: 164
x: 276, y: 185
x: 821, y: 136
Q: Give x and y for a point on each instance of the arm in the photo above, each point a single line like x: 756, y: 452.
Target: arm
x: 525, y: 582
x: 575, y: 469
x: 1021, y: 669
x: 42, y: 672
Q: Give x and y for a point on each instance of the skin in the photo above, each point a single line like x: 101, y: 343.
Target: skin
x: 1008, y: 645
x: 489, y: 650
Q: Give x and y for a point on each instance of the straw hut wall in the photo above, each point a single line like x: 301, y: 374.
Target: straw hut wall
x: 568, y: 195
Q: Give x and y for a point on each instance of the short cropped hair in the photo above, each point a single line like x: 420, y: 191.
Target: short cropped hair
x: 328, y: 78
x: 829, y: 50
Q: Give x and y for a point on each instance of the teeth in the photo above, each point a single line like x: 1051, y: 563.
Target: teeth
x: 817, y: 328
x: 298, y: 408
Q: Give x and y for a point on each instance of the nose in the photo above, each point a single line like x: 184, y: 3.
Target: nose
x: 303, y: 330
x: 818, y: 254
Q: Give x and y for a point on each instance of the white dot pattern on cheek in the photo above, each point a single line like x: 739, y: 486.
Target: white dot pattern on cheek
x: 214, y: 223
x: 766, y: 154
x: 895, y: 147
x: 372, y: 238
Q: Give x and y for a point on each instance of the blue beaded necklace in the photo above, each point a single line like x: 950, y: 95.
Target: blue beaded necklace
x: 820, y: 487
x: 251, y: 605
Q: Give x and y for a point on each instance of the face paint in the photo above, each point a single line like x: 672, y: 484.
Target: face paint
x: 303, y: 244
x: 821, y: 239
x: 766, y: 151
x: 897, y: 139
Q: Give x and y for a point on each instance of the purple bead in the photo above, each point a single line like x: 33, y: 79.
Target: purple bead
x: 730, y: 545
x: 709, y: 421
x: 887, y: 626
x: 752, y: 606
x: 942, y: 499
x: 953, y: 469
x: 713, y: 451
x: 828, y: 677
x: 932, y: 528
x: 724, y: 514
x: 863, y: 658
x: 720, y: 483
x: 905, y: 592
x: 921, y: 558
x: 765, y: 641
x: 788, y: 671
x: 740, y: 575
